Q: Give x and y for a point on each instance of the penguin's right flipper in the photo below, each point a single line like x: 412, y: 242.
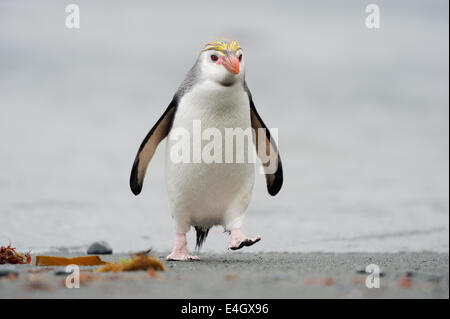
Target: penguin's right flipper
x: 148, y: 147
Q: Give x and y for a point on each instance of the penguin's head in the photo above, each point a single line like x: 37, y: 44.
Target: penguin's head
x: 222, y: 61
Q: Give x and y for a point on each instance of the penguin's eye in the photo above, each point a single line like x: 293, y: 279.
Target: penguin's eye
x: 214, y: 57
x: 240, y: 57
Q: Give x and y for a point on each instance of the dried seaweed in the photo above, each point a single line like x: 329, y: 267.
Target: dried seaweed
x: 9, y: 255
x: 62, y: 261
x: 137, y: 261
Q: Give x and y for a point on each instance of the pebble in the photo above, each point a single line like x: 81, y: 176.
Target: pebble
x: 427, y: 277
x: 434, y: 278
x: 281, y: 276
x: 362, y: 271
x: 8, y: 271
x: 62, y: 273
x: 100, y: 248
x: 231, y: 277
x: 405, y: 282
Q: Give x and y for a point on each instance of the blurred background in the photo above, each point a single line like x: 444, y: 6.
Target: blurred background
x: 362, y: 117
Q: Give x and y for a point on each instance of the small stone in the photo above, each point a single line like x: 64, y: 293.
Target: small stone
x: 362, y: 271
x: 359, y: 279
x: 325, y: 281
x: 405, y: 282
x: 100, y: 248
x: 151, y: 272
x: 231, y: 277
x: 329, y: 281
x: 6, y: 272
x: 281, y: 276
x: 62, y: 273
x: 434, y: 278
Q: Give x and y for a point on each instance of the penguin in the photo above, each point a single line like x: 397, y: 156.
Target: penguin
x: 205, y: 194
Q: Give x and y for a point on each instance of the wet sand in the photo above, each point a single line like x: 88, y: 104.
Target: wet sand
x: 248, y: 275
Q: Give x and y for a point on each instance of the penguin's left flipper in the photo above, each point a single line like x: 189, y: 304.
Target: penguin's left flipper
x: 148, y: 147
x: 271, y: 163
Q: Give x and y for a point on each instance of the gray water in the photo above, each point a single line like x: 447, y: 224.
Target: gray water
x: 362, y: 117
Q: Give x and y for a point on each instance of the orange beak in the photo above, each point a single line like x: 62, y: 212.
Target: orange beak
x: 231, y: 63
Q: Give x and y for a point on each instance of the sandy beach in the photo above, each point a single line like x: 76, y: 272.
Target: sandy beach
x: 362, y: 116
x: 247, y: 275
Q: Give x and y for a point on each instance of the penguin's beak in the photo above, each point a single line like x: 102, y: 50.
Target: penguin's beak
x: 231, y: 63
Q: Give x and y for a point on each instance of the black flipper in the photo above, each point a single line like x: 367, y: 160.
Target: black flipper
x: 148, y: 147
x: 274, y: 180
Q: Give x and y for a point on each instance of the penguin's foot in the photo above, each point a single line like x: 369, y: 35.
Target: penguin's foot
x: 239, y: 240
x: 182, y: 256
x: 180, y: 251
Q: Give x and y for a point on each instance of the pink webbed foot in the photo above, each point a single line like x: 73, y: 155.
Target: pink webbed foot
x: 180, y: 251
x: 239, y: 240
x: 182, y: 256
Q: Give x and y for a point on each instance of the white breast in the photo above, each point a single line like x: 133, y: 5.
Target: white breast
x: 217, y: 193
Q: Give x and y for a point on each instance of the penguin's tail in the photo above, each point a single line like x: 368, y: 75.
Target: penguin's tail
x: 202, y: 233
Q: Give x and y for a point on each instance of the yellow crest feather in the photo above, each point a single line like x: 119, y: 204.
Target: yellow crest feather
x: 223, y: 46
